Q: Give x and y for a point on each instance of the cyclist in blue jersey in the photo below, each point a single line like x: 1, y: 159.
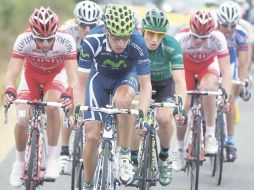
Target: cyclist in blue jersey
x: 228, y: 16
x: 167, y: 76
x: 115, y: 56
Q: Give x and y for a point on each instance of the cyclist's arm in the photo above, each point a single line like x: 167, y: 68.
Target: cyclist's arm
x: 79, y: 88
x: 180, y: 84
x: 243, y: 66
x: 13, y: 71
x: 71, y: 71
x: 225, y: 70
x: 145, y: 92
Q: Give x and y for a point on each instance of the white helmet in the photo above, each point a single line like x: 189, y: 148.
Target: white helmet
x: 228, y: 13
x: 87, y: 12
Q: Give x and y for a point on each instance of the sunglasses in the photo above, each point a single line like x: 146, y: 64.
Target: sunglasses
x: 118, y: 38
x: 152, y: 34
x: 200, y: 37
x: 83, y: 25
x: 44, y: 40
x: 229, y: 26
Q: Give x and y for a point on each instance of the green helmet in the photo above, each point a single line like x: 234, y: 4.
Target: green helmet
x: 155, y: 20
x: 119, y: 20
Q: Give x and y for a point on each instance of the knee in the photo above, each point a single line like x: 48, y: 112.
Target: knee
x: 22, y: 119
x: 52, y: 111
x: 123, y: 102
x: 165, y: 122
x: 92, y: 137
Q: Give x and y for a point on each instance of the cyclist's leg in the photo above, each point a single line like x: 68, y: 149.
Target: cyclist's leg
x: 96, y: 96
x: 52, y: 93
x: 209, y: 81
x: 124, y: 93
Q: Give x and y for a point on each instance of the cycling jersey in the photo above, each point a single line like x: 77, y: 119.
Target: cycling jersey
x: 201, y: 60
x: 109, y: 70
x: 238, y: 42
x: 43, y: 67
x: 71, y: 27
x: 36, y: 60
x: 96, y: 51
x: 167, y: 57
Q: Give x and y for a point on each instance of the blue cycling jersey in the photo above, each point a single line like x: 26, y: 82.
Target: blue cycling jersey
x: 96, y: 51
x: 238, y: 42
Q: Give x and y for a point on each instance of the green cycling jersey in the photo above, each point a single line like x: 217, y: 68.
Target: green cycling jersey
x: 166, y: 58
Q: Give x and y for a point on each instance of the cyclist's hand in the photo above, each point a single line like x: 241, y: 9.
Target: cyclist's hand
x: 67, y: 98
x: 9, y: 96
x: 139, y: 123
x: 180, y: 116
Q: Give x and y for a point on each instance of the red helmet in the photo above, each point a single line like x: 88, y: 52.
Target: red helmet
x: 43, y: 22
x: 202, y: 23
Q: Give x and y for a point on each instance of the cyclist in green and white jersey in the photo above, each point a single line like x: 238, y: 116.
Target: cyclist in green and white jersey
x: 167, y: 76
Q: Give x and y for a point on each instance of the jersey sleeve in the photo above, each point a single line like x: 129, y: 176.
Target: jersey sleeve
x: 71, y: 50
x: 87, y: 53
x: 220, y: 43
x: 19, y: 47
x: 177, y: 55
x: 140, y: 53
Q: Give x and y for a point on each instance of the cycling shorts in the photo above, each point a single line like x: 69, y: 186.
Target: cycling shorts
x: 29, y: 87
x: 99, y: 88
x: 165, y: 90
x: 212, y: 68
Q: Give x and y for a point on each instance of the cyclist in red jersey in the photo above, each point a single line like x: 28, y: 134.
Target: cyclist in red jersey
x: 201, y: 45
x: 43, y: 56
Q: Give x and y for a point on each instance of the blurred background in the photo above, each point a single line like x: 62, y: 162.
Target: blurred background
x: 14, y: 15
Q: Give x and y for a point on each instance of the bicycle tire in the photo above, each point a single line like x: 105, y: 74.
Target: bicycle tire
x: 77, y: 165
x: 30, y: 184
x: 195, y: 163
x: 104, y: 175
x: 219, y: 157
x: 143, y: 185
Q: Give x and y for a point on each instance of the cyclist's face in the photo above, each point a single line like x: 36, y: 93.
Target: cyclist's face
x: 153, y: 39
x: 84, y: 29
x: 198, y: 41
x: 117, y: 44
x: 44, y: 43
x: 227, y: 30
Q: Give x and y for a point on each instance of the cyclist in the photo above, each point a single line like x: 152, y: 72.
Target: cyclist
x: 43, y: 56
x: 114, y: 54
x: 201, y: 45
x: 228, y: 17
x: 87, y: 16
x: 167, y: 76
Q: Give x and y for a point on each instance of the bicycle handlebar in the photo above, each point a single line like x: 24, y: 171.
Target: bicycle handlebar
x: 158, y: 104
x: 38, y: 103
x: 204, y: 93
x: 110, y: 110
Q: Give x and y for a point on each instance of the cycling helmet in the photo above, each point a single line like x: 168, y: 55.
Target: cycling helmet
x: 202, y: 23
x: 43, y: 22
x: 228, y: 13
x: 87, y: 12
x: 155, y: 20
x: 119, y: 20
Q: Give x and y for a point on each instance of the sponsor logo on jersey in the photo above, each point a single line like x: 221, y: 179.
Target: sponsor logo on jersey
x: 119, y: 64
x: 65, y: 42
x: 24, y: 42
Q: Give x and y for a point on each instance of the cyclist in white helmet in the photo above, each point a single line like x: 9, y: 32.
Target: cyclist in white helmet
x: 228, y: 16
x: 87, y: 16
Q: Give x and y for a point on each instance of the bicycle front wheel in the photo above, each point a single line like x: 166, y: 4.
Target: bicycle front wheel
x: 32, y: 166
x: 77, y: 164
x: 195, y: 163
x: 145, y: 160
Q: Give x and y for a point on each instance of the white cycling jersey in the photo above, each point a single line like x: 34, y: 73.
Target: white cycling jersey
x: 36, y: 60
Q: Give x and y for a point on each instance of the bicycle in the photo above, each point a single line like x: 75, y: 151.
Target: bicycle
x: 195, y: 149
x: 77, y: 153
x: 148, y: 156
x: 35, y: 153
x: 106, y: 171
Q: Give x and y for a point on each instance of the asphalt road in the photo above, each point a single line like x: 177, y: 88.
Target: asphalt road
x: 236, y: 176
